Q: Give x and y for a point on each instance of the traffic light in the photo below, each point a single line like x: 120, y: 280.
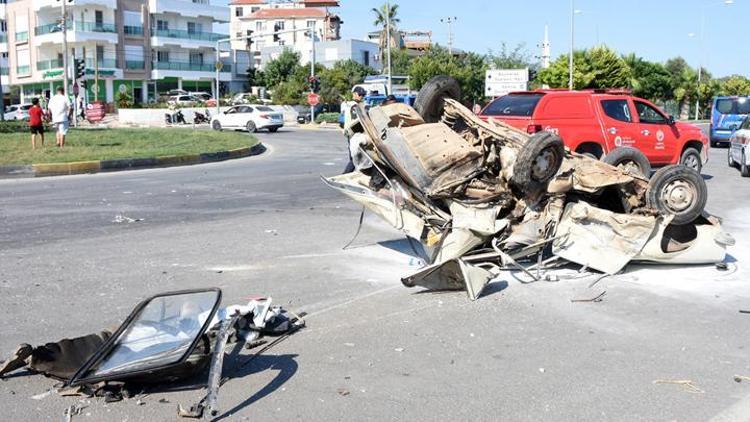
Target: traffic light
x: 80, y: 68
x: 314, y: 83
x: 249, y: 39
x: 276, y: 28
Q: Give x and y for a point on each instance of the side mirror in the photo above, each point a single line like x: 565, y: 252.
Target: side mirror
x: 671, y: 120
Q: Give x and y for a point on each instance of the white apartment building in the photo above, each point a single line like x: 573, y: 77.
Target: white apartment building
x: 267, y: 16
x: 143, y: 47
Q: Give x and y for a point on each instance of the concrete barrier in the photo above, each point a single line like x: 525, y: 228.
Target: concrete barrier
x: 155, y: 116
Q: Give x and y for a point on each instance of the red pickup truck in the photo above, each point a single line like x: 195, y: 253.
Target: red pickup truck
x: 596, y: 122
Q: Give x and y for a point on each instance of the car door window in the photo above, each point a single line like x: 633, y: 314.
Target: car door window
x: 745, y: 124
x: 248, y: 109
x: 649, y: 115
x: 618, y: 110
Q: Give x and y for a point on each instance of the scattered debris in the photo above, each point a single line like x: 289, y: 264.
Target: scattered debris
x: 740, y: 378
x: 342, y: 392
x: 484, y: 197
x: 744, y: 311
x: 399, y: 349
x: 687, y: 385
x: 597, y: 298
x: 541, y: 370
x: 167, y: 338
x: 123, y: 219
x: 722, y: 266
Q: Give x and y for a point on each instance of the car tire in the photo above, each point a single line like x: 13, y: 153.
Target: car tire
x: 679, y: 191
x: 430, y: 99
x: 216, y: 125
x: 538, y: 162
x: 691, y: 158
x: 629, y: 159
x: 730, y: 162
x: 273, y: 129
x: 744, y: 168
x: 250, y: 126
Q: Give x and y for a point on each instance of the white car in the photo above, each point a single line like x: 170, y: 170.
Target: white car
x: 183, y: 100
x: 738, y: 154
x: 203, y: 96
x: 17, y: 112
x: 248, y: 117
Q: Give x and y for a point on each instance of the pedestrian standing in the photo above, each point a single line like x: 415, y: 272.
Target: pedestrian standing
x: 59, y: 108
x: 358, y: 94
x: 35, y: 122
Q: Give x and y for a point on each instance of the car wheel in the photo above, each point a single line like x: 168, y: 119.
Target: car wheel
x: 251, y: 127
x: 744, y: 168
x: 630, y: 160
x: 714, y: 144
x: 679, y: 191
x: 692, y: 158
x: 538, y: 162
x: 216, y: 125
x: 730, y: 162
x: 430, y: 99
x: 273, y: 129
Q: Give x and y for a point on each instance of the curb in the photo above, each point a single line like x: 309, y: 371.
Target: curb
x: 316, y: 127
x: 83, y: 167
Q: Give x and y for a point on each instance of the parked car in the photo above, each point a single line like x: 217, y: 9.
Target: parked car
x: 173, y: 92
x: 17, y: 112
x: 203, y: 96
x: 727, y: 113
x: 182, y: 100
x: 595, y: 122
x: 304, y: 114
x: 738, y: 153
x: 249, y: 117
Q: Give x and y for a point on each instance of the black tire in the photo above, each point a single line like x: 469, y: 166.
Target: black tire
x: 679, y: 191
x: 273, y: 129
x: 730, y: 163
x: 629, y: 159
x: 691, y: 158
x: 216, y: 125
x: 430, y: 99
x: 538, y: 162
x: 250, y: 126
x: 744, y: 169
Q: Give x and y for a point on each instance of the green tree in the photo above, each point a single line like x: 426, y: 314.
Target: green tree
x: 386, y: 17
x: 288, y: 93
x: 468, y: 69
x: 281, y: 68
x: 683, y: 84
x: 734, y: 85
x: 400, y: 61
x: 337, y: 82
x: 648, y: 79
x: 505, y: 58
x: 598, y: 67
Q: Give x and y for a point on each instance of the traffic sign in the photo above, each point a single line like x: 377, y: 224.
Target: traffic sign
x: 499, y: 82
x: 219, y: 66
x: 313, y: 99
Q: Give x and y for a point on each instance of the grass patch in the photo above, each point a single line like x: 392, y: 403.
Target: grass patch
x: 107, y: 144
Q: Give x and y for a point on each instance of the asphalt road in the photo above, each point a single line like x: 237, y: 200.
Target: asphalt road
x: 71, y: 262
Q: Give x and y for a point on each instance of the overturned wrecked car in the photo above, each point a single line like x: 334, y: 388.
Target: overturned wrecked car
x: 483, y: 196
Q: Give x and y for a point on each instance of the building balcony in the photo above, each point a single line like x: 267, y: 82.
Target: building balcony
x: 77, y: 32
x: 23, y: 70
x: 49, y: 64
x: 135, y: 64
x: 183, y: 38
x: 91, y: 64
x: 4, y: 71
x: 55, y: 4
x: 22, y: 36
x: 3, y: 37
x: 94, y: 27
x: 189, y: 67
x: 133, y: 30
x: 189, y: 71
x: 189, y: 9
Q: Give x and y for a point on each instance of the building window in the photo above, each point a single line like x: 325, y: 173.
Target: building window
x: 194, y: 28
x: 162, y: 56
x: 310, y: 24
x: 196, y: 58
x: 282, y: 43
x: 238, y: 11
x: 259, y: 26
x: 162, y: 25
x: 99, y: 18
x: 366, y: 58
x: 239, y: 35
x: 254, y: 9
x: 279, y: 26
x: 100, y: 53
x: 3, y: 26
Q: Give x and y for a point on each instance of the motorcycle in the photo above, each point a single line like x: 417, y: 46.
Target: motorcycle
x: 200, y: 118
x: 174, y: 118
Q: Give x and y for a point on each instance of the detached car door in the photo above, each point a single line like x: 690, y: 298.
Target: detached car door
x: 620, y: 127
x: 658, y: 138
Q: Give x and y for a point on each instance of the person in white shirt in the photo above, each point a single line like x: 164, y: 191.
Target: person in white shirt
x: 59, y: 108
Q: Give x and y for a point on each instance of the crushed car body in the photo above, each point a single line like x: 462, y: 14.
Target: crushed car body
x: 480, y: 196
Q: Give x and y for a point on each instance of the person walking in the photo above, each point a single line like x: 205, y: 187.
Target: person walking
x: 59, y: 108
x: 358, y: 95
x: 35, y: 122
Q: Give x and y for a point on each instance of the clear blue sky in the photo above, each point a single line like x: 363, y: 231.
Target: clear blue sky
x: 653, y: 29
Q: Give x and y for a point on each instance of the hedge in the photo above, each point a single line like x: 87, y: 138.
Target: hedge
x: 327, y: 118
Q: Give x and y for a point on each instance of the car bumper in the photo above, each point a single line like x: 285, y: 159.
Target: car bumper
x: 269, y: 124
x: 721, y: 136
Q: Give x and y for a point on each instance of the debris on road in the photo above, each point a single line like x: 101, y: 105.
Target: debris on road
x: 597, y: 298
x: 687, y: 384
x: 740, y: 378
x: 167, y: 338
x: 124, y: 219
x: 483, y: 197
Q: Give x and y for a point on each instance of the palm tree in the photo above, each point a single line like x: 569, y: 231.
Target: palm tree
x: 385, y: 16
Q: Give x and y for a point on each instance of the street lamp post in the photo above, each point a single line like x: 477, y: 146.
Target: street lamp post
x: 701, y: 54
x: 388, y: 45
x: 572, y: 43
x: 449, y: 20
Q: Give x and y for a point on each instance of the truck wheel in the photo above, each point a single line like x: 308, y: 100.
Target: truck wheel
x: 629, y: 159
x: 538, y: 161
x: 679, y: 191
x: 744, y: 169
x: 692, y: 158
x: 430, y: 99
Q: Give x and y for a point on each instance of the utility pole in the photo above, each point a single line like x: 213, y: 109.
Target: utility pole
x: 572, y: 43
x: 64, y: 25
x: 700, y: 66
x: 449, y: 20
x: 388, y: 45
x: 546, y: 56
x: 312, y: 70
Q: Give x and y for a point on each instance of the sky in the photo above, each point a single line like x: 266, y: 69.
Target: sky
x: 653, y: 29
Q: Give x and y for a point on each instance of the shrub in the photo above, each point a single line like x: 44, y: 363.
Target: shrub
x: 14, y: 126
x: 327, y: 118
